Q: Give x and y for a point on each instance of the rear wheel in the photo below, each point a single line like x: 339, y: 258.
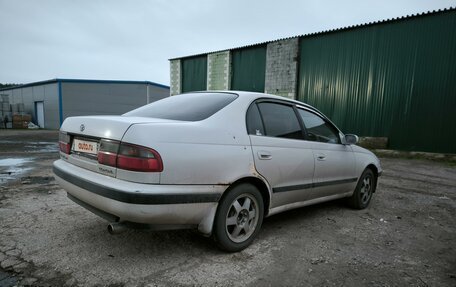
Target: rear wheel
x: 364, y: 190
x: 238, y: 218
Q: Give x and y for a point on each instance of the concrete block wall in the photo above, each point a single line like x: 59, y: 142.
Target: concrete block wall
x: 282, y: 68
x: 218, y: 71
x: 175, y: 77
x: 281, y: 74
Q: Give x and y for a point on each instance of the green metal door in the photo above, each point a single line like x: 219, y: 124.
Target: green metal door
x: 248, y: 69
x: 194, y: 74
x: 394, y: 79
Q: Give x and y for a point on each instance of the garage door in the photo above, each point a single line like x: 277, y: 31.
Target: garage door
x: 194, y: 74
x: 248, y: 69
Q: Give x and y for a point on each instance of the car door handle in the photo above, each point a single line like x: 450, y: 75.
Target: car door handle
x: 321, y: 156
x: 264, y: 154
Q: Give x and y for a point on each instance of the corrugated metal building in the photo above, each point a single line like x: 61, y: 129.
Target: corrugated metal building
x: 394, y: 78
x: 50, y: 102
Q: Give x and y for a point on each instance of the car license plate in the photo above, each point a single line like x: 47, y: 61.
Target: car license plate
x: 85, y: 146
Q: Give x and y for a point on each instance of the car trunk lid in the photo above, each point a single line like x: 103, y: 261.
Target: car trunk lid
x: 107, y: 127
x: 81, y: 138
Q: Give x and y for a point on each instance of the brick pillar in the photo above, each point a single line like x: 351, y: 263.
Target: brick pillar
x: 175, y: 77
x: 281, y: 68
x: 218, y: 71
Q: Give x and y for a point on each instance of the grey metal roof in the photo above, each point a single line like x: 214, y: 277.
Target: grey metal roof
x: 402, y: 18
x: 84, y: 81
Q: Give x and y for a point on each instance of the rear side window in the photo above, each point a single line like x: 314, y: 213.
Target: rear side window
x: 280, y: 121
x: 186, y: 107
x: 254, y: 123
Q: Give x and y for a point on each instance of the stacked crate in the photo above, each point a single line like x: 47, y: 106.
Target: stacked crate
x: 13, y: 114
x: 1, y: 113
x: 21, y: 121
x: 5, y: 111
x: 20, y: 118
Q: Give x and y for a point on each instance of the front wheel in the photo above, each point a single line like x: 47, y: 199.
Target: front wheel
x: 364, y: 190
x: 238, y: 218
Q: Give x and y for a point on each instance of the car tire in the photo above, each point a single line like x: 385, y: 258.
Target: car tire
x: 239, y: 217
x: 365, y: 188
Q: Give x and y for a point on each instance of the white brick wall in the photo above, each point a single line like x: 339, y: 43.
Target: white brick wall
x: 218, y: 71
x: 175, y: 77
x: 281, y: 68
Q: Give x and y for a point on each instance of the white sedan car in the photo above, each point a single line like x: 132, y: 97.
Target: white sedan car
x: 218, y: 162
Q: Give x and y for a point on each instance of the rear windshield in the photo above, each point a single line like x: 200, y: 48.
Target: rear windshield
x: 186, y: 107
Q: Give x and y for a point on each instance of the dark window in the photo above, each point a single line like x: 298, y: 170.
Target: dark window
x: 280, y: 121
x: 254, y: 123
x: 318, y: 129
x: 186, y: 107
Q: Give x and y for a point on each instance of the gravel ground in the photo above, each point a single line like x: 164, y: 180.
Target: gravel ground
x: 406, y: 237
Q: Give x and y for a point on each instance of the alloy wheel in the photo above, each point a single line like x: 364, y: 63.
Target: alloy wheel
x: 242, y: 218
x: 366, y: 190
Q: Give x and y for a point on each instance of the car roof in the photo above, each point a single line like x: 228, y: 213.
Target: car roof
x: 257, y: 95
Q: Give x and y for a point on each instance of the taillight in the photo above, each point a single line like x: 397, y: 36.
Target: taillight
x: 64, y: 142
x: 129, y: 157
x: 138, y: 158
x: 107, y: 153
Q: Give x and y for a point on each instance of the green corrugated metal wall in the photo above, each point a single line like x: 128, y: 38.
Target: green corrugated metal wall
x: 395, y: 79
x: 194, y: 74
x: 248, y: 69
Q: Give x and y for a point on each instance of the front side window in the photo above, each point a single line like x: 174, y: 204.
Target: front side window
x: 318, y: 129
x: 280, y: 121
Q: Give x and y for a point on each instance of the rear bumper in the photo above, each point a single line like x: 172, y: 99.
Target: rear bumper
x: 141, y: 203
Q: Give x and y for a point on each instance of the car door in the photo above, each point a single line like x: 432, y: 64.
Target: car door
x: 280, y: 153
x: 334, y: 162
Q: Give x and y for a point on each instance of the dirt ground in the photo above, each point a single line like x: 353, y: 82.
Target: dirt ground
x: 407, y: 237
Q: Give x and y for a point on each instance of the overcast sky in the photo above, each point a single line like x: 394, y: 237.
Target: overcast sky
x: 133, y: 40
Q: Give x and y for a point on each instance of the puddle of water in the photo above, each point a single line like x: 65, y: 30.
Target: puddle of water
x: 22, y: 142
x: 44, y: 143
x: 33, y: 147
x: 13, y: 161
x: 7, y: 279
x: 12, y: 168
x: 42, y: 148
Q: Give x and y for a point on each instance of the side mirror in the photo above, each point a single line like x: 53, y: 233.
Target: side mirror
x: 351, y: 139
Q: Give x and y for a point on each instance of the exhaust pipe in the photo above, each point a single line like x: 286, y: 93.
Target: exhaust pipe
x: 116, y: 228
